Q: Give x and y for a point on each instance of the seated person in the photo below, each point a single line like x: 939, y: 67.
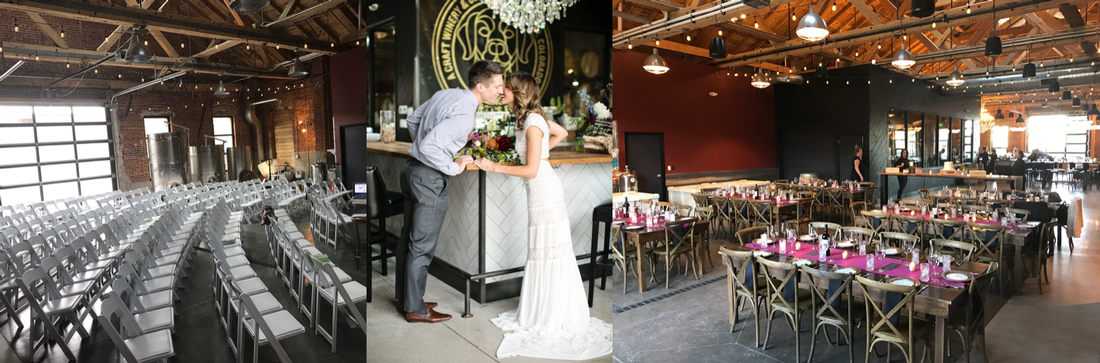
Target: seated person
x: 1038, y: 154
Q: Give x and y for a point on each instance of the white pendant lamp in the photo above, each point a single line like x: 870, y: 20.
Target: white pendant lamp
x: 761, y: 80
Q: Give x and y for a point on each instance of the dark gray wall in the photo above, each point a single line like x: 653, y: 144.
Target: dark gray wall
x: 912, y: 96
x: 811, y: 118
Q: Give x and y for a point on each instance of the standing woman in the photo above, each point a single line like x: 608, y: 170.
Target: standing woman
x: 902, y: 163
x: 857, y: 166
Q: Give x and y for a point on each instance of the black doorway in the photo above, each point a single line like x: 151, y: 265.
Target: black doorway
x: 353, y: 142
x: 645, y: 155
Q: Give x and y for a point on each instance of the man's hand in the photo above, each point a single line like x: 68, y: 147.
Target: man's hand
x: 463, y: 161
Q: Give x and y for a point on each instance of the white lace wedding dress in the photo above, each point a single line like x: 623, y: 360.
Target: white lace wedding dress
x: 552, y: 319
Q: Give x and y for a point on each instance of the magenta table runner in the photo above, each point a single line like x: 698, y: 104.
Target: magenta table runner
x: 809, y: 251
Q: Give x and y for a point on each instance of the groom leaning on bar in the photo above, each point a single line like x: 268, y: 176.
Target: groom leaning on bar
x: 439, y: 129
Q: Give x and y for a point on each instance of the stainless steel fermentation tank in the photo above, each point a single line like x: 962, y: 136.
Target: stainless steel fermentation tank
x: 237, y: 159
x: 168, y: 161
x: 207, y: 163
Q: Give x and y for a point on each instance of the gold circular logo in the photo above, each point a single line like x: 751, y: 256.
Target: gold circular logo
x: 466, y: 31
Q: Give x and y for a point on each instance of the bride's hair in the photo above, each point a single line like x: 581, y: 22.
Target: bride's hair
x: 526, y: 93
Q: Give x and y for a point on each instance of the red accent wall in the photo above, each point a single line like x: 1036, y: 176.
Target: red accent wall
x: 732, y: 131
x: 348, y: 79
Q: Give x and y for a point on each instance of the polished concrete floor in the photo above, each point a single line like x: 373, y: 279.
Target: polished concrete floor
x: 688, y: 321
x: 199, y: 337
x: 459, y: 340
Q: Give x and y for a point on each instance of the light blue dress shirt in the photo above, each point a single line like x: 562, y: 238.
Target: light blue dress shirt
x: 440, y: 127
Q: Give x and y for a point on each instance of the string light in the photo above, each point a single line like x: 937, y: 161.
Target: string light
x: 16, y: 26
x: 276, y: 47
x: 185, y: 46
x: 62, y: 31
x: 834, y: 5
x: 754, y: 23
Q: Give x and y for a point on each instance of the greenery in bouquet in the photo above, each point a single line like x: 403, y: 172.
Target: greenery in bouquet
x: 494, y: 140
x: 596, y: 117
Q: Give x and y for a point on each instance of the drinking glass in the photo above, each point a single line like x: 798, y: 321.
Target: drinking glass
x: 924, y: 271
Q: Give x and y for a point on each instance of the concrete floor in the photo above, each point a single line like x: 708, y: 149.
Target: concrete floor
x: 688, y: 322
x: 199, y: 337
x: 459, y: 340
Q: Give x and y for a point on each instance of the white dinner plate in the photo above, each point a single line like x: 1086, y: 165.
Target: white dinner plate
x: 903, y: 281
x: 1024, y: 226
x: 805, y: 238
x: 762, y: 253
x: 957, y: 276
x: 803, y: 262
x: 846, y: 244
x: 617, y: 222
x: 634, y: 227
x: 845, y: 270
x: 890, y: 251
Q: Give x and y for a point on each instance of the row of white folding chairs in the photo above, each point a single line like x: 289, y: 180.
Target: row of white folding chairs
x: 243, y: 301
x: 297, y: 263
x: 60, y: 287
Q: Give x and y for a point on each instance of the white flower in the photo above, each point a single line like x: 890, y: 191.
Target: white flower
x: 602, y: 112
x: 477, y: 143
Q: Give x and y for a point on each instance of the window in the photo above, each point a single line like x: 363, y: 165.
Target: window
x: 223, y: 130
x: 999, y: 139
x: 53, y: 152
x: 156, y: 125
x: 1060, y: 136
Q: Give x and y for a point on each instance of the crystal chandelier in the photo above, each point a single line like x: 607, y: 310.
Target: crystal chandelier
x: 986, y: 121
x: 529, y: 16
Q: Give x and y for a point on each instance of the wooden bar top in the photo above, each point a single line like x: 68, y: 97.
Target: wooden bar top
x: 957, y: 176
x: 401, y: 149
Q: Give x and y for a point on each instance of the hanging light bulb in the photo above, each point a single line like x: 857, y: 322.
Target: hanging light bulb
x: 16, y: 26
x: 834, y: 5
x: 812, y: 27
x: 655, y: 64
x: 754, y: 23
x: 185, y: 46
x: 62, y: 32
x: 629, y: 46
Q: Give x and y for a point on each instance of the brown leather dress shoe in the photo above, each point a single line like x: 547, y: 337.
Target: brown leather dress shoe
x: 431, y: 317
x: 401, y: 305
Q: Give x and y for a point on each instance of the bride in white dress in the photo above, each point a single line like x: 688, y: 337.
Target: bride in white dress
x: 552, y: 319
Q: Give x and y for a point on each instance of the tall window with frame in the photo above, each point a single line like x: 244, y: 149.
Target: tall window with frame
x: 54, y: 152
x: 998, y: 140
x: 1060, y: 136
x: 223, y: 130
x: 156, y: 125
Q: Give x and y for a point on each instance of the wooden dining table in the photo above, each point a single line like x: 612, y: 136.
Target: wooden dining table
x: 644, y: 236
x: 936, y: 301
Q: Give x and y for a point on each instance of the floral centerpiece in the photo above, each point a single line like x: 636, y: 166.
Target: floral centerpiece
x: 493, y: 138
x: 595, y: 124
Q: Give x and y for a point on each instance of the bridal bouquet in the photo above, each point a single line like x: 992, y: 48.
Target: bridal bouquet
x: 492, y: 139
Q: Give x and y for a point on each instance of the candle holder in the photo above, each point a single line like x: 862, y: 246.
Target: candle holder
x: 844, y: 255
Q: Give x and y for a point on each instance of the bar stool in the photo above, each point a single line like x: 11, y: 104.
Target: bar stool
x: 597, y: 258
x: 381, y: 204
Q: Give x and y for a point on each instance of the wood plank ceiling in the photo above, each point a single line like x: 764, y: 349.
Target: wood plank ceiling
x: 866, y: 31
x: 202, y: 36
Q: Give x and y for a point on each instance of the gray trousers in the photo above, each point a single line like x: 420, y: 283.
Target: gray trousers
x: 425, y: 192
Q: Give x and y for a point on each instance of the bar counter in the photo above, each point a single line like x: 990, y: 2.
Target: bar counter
x: 486, y: 225
x: 1013, y: 180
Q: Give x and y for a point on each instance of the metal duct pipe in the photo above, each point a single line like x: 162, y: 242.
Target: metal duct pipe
x: 1066, y: 77
x: 11, y: 70
x: 1067, y: 37
x: 259, y: 139
x: 676, y: 25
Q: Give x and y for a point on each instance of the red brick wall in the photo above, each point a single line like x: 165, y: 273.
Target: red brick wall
x: 193, y: 110
x: 305, y: 98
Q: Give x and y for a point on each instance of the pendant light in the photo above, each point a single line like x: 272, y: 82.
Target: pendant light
x: 1019, y: 118
x: 999, y: 115
x: 955, y: 79
x: 812, y: 27
x: 1093, y: 111
x: 904, y: 59
x: 761, y: 80
x: 655, y: 64
x: 1066, y: 96
x: 1029, y: 68
x: 138, y: 52
x: 296, y: 70
x: 1054, y: 86
x: 1076, y: 101
x: 221, y: 91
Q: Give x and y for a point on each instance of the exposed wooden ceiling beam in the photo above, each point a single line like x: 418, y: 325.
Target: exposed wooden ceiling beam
x: 53, y: 54
x: 217, y: 47
x: 956, y: 17
x: 25, y: 81
x: 656, y: 4
x: 47, y: 30
x: 866, y: 11
x: 164, y: 44
x: 107, y: 13
x: 628, y: 16
x: 289, y: 7
x: 751, y: 32
x: 307, y: 13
